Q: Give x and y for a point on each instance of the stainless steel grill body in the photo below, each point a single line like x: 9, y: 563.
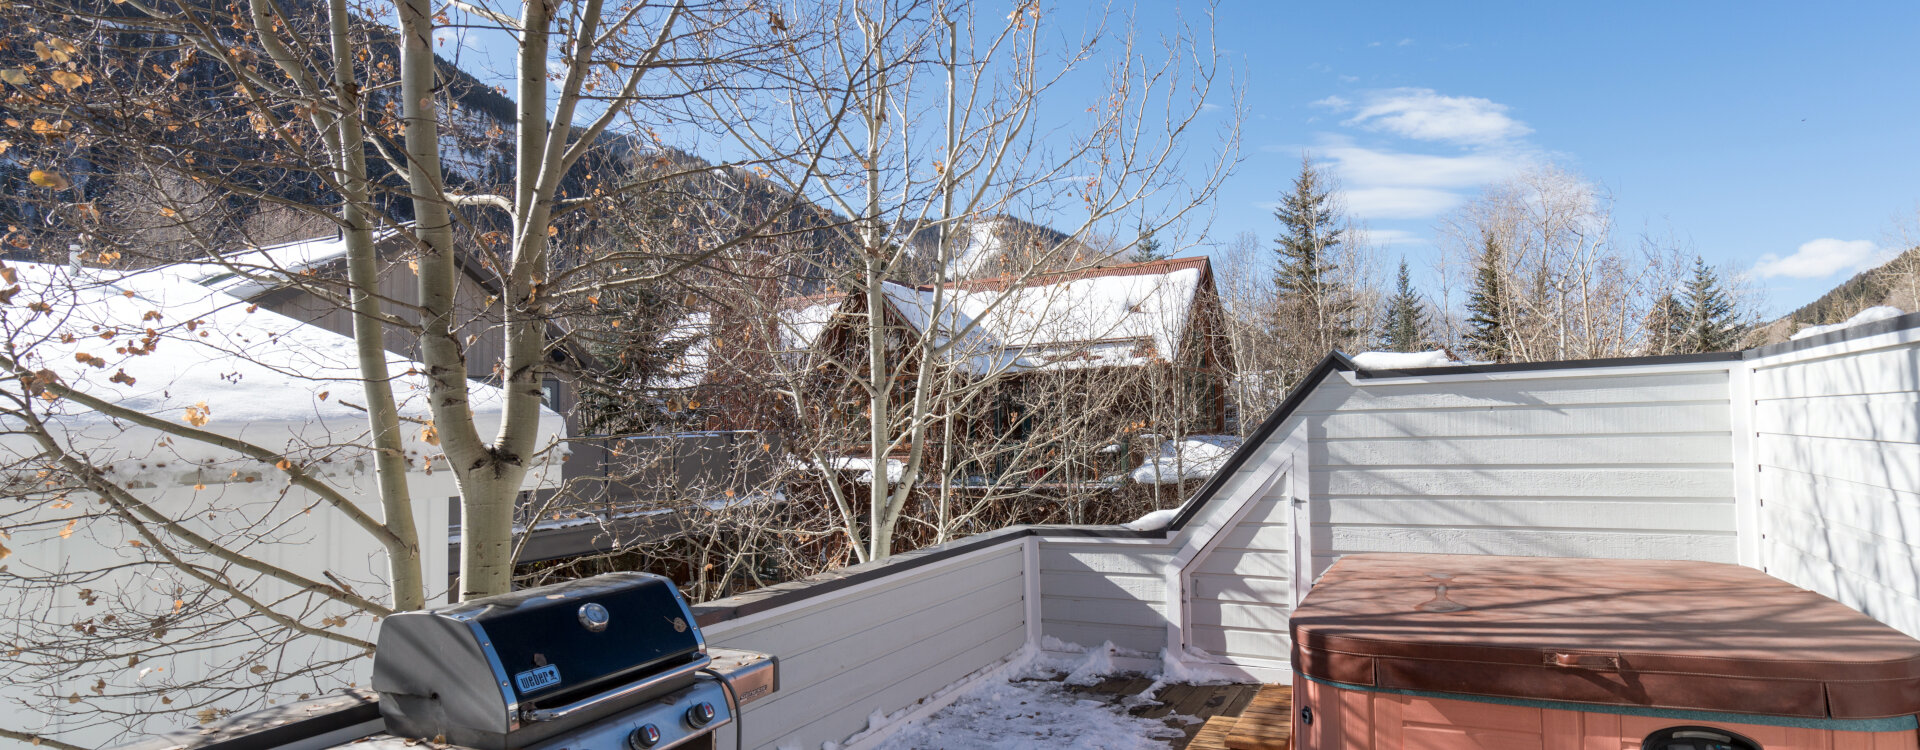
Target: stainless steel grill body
x: 522, y: 669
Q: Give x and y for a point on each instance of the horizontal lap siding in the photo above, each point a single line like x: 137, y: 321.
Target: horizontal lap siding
x: 1240, y: 593
x: 1094, y: 593
x: 1838, y: 444
x: 1590, y: 465
x: 882, y: 649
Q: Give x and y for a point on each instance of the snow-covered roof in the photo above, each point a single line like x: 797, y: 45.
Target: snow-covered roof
x: 802, y: 324
x: 1119, y: 316
x: 160, y: 344
x: 250, y: 272
x: 689, y: 368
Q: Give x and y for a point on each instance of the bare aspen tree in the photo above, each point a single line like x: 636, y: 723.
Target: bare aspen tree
x: 943, y: 133
x: 1567, y: 289
x: 163, y: 136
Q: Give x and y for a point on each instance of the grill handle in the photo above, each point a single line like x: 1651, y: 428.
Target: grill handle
x: 600, y: 699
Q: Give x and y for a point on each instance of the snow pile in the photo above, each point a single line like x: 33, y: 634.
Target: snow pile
x: 1869, y: 315
x: 1154, y: 521
x: 1031, y: 715
x: 1033, y: 706
x: 1404, y: 360
x: 1093, y: 667
x: 1193, y: 457
x: 1194, y: 667
x: 159, y: 344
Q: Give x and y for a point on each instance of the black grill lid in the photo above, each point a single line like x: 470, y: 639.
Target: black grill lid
x: 546, y: 639
x: 476, y: 674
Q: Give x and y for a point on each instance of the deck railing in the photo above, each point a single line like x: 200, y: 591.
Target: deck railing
x: 1803, y: 460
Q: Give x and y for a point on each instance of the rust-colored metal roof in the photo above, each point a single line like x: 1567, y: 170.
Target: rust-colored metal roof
x: 1650, y: 633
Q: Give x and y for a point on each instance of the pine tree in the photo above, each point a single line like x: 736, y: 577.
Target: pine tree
x: 1308, y: 245
x: 1713, y: 322
x: 1487, y: 305
x: 1146, y: 248
x: 1667, y: 326
x: 1405, y: 327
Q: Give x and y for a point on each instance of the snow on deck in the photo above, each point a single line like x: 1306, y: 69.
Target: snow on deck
x: 1068, y: 697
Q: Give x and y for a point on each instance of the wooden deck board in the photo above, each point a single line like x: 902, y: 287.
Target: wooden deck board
x: 1266, y: 723
x: 1211, y: 703
x: 1213, y: 735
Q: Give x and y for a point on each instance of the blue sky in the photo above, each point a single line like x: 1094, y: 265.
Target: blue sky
x: 1771, y: 138
x: 1746, y: 130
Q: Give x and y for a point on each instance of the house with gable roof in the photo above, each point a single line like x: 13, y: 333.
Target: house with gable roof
x: 1063, y: 369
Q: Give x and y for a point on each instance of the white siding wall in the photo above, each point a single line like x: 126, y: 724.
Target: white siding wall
x: 1578, y: 463
x: 1240, y: 591
x: 312, y: 544
x: 880, y: 647
x: 1097, y: 591
x: 1837, y: 440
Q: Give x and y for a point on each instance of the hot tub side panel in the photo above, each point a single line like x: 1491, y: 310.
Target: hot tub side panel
x: 1350, y: 719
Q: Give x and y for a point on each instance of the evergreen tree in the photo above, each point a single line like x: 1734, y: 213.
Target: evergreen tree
x: 1487, y: 305
x: 1405, y: 327
x: 1309, y: 243
x: 1146, y: 248
x: 1713, y: 322
x: 1667, y: 326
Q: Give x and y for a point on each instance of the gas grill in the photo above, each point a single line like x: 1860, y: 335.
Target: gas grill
x: 614, y: 662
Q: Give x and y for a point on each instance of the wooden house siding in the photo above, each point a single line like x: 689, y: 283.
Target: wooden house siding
x: 1837, y: 450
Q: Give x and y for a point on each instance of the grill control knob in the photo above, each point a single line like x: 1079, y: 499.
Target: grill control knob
x: 646, y: 736
x: 700, y: 714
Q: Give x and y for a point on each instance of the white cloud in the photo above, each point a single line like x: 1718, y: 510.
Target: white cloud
x: 1405, y: 43
x: 1390, y: 237
x: 1400, y: 202
x: 1426, y: 115
x: 1822, y: 258
x: 1361, y: 166
x: 1392, y: 183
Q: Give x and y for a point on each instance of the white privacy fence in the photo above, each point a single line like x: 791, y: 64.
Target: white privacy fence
x: 1803, y: 460
x: 1836, y: 467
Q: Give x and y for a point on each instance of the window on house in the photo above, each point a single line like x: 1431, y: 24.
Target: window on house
x: 550, y: 393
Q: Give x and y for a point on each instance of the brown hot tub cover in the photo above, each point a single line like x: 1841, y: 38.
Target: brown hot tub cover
x: 1660, y: 634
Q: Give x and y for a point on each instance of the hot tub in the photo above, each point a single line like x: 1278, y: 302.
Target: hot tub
x: 1437, y: 652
